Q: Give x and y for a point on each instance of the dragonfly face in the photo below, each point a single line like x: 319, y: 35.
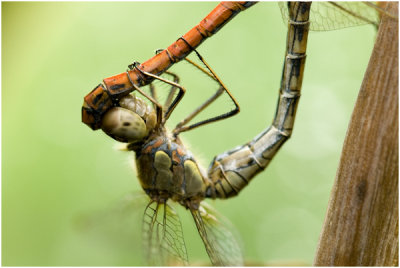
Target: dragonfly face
x: 131, y: 122
x: 124, y: 125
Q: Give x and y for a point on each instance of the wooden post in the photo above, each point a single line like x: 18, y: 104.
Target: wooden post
x: 361, y: 225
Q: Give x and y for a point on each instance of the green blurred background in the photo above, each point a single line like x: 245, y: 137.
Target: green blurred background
x: 55, y: 169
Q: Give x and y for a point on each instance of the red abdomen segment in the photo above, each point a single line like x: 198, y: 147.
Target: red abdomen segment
x: 117, y: 86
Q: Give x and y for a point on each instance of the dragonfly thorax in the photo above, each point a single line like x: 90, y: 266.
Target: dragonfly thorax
x: 166, y: 170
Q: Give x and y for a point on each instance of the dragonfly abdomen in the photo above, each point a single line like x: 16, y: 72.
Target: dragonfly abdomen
x: 232, y: 171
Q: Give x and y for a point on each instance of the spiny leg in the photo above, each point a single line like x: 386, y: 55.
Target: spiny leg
x: 176, y: 80
x: 200, y: 68
x: 177, y: 99
x: 171, y: 93
x: 207, y: 102
x: 153, y: 91
x: 181, y: 127
x: 151, y: 98
x: 160, y: 119
x: 173, y: 88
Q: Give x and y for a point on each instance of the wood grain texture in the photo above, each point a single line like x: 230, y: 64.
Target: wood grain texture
x: 361, y: 225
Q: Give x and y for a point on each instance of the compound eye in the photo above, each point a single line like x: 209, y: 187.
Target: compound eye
x: 123, y: 125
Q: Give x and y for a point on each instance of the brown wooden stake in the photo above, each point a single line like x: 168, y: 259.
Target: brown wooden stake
x: 361, y: 224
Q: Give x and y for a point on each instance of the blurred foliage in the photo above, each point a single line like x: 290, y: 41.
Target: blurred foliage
x: 56, y: 171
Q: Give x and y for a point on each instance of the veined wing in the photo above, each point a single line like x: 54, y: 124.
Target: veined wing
x: 220, y: 243
x: 325, y: 16
x: 162, y: 236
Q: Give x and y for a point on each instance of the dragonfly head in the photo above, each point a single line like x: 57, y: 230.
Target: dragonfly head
x: 131, y: 122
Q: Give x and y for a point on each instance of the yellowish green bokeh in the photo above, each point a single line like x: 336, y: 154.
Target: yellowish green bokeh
x: 55, y: 169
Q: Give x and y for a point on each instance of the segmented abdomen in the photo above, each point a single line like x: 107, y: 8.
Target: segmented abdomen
x: 232, y: 171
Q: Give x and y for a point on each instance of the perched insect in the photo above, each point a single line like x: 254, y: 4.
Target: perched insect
x: 168, y: 171
x: 165, y: 168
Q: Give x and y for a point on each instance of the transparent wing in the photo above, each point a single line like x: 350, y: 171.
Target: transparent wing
x: 113, y: 228
x: 326, y: 16
x: 220, y: 243
x: 120, y: 214
x: 163, y: 240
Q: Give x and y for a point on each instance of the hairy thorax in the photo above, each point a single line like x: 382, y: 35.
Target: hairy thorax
x: 167, y: 170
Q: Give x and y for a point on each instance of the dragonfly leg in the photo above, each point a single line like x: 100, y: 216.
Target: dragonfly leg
x: 175, y: 79
x: 172, y: 91
x: 153, y: 91
x: 160, y: 118
x: 152, y: 100
x: 182, y: 126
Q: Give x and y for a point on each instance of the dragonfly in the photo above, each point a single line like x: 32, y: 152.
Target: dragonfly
x: 166, y: 169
